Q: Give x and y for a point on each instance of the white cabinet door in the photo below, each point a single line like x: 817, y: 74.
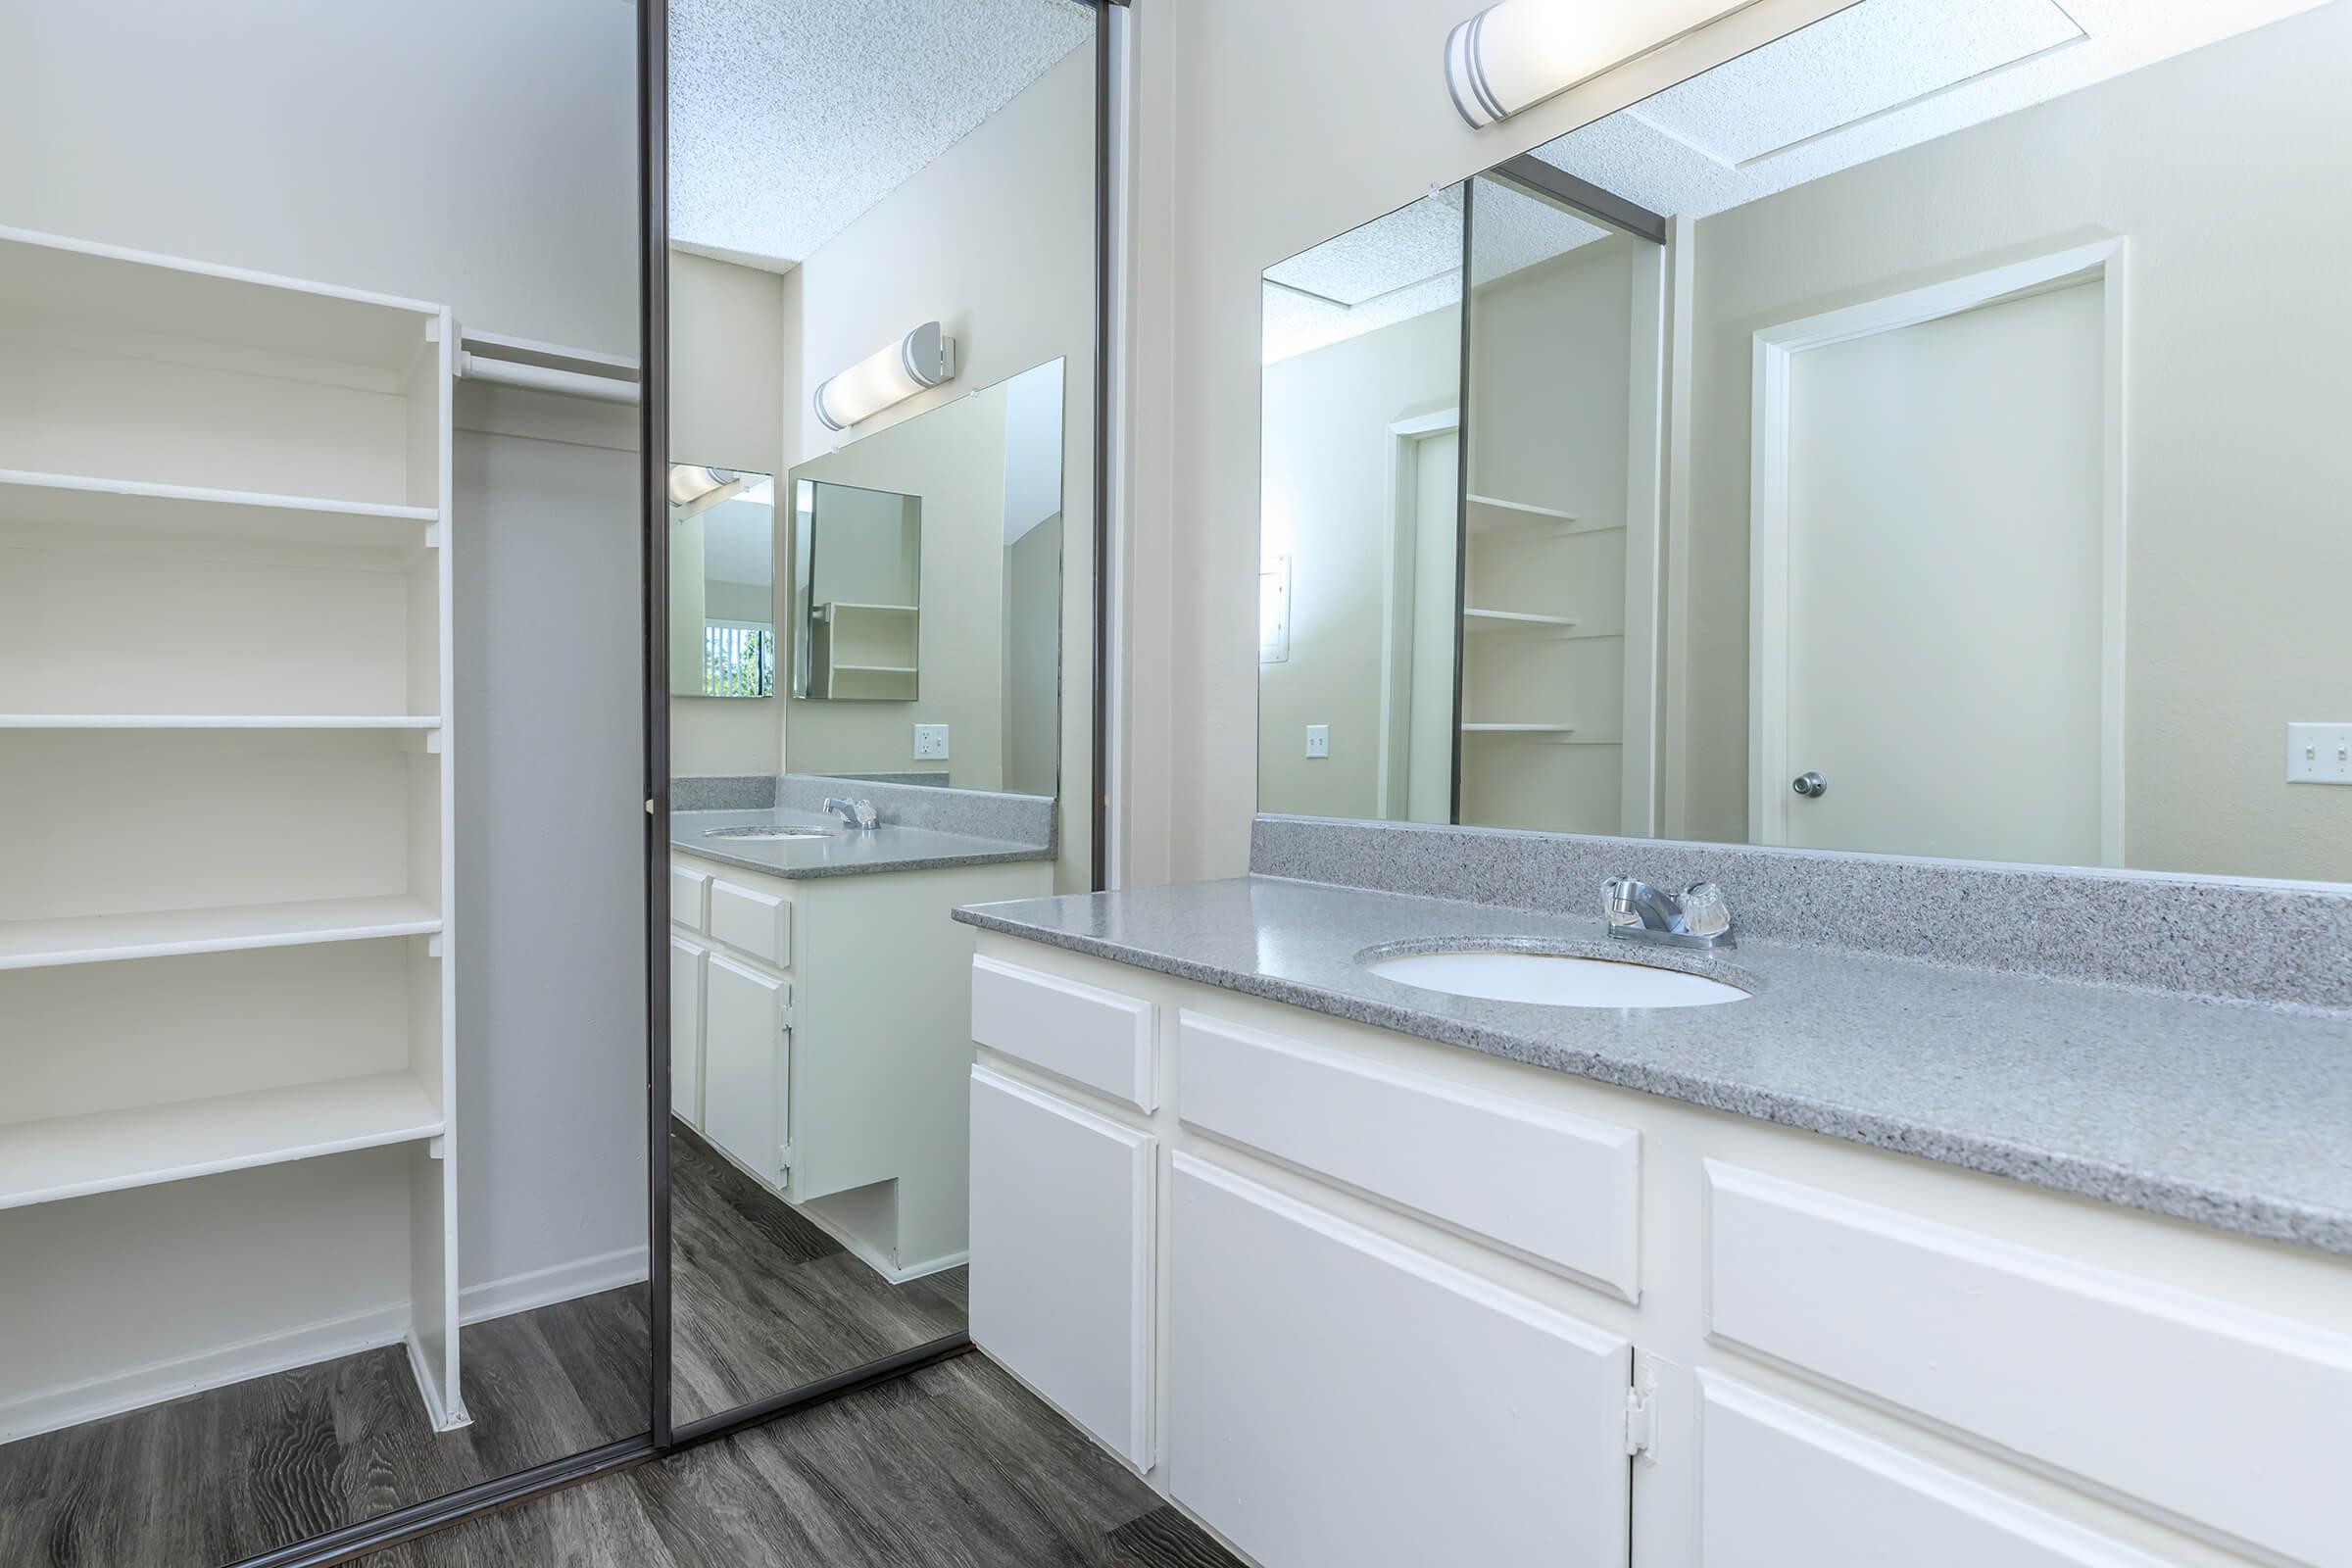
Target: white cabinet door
x: 1334, y: 1396
x: 1061, y: 1256
x: 686, y: 1032
x: 744, y: 1065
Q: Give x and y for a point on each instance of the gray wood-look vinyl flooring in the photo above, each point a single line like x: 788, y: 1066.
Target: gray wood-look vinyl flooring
x: 229, y: 1472
x: 764, y: 1302
x: 954, y: 1466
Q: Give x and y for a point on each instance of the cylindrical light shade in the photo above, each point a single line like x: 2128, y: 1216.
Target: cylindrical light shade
x: 922, y: 358
x: 1514, y: 55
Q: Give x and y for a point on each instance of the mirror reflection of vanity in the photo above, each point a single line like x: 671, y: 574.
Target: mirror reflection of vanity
x: 926, y: 496
x: 1943, y: 473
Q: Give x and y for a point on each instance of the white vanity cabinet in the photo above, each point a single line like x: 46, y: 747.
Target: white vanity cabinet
x: 819, y: 1040
x: 1347, y: 1297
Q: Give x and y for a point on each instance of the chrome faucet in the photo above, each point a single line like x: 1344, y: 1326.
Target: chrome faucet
x: 858, y: 815
x: 1639, y: 912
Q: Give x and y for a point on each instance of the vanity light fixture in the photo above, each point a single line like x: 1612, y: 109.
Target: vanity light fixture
x: 923, y: 358
x: 689, y: 482
x: 1516, y: 53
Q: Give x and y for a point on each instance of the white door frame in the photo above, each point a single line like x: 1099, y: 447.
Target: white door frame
x: 1392, y: 782
x: 1776, y: 349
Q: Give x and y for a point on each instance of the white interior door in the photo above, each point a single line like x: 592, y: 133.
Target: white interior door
x: 1946, y: 550
x: 1429, y: 796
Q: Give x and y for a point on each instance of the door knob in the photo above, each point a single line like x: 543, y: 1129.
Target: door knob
x: 1810, y: 785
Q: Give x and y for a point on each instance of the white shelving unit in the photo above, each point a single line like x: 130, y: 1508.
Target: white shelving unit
x: 870, y: 651
x: 1481, y: 620
x: 225, y: 918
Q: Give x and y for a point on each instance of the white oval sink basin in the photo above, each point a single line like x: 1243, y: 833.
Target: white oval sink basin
x: 1554, y: 980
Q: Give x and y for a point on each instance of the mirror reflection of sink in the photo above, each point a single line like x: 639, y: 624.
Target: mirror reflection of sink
x: 766, y: 833
x: 1554, y: 980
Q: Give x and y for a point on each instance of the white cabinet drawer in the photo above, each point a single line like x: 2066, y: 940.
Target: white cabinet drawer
x: 686, y: 1031
x: 688, y: 894
x: 756, y: 922
x: 1563, y: 1189
x: 1337, y: 1398
x: 1061, y: 1272
x: 2231, y: 1419
x: 1080, y: 1032
x: 1783, y: 1488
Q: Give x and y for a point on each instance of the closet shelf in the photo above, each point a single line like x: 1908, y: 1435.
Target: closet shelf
x: 110, y: 938
x: 321, y: 721
x: 82, y: 502
x: 1517, y: 513
x: 875, y: 670
x: 72, y: 1157
x: 1518, y: 729
x: 1502, y: 620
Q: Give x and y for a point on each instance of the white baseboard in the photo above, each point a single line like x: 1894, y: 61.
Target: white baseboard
x: 864, y: 1251
x: 26, y: 1415
x: 545, y: 1287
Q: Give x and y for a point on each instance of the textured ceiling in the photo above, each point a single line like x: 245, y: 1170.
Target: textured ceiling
x: 1867, y: 82
x: 1909, y: 71
x: 1407, y: 264
x: 788, y: 118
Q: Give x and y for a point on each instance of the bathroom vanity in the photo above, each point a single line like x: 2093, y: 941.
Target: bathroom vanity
x: 816, y: 1025
x: 1887, y: 1261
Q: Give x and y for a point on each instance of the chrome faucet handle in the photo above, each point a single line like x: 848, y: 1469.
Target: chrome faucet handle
x: 1705, y: 912
x: 1633, y: 905
x: 858, y: 815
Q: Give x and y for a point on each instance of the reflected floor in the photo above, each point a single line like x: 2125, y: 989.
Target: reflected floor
x: 764, y: 1302
x: 230, y: 1472
x: 956, y: 1464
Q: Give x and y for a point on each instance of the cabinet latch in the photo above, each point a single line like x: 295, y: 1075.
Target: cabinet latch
x: 783, y: 1161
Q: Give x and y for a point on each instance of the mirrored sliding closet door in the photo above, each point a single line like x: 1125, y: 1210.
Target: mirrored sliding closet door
x: 880, y: 557
x: 322, y: 1160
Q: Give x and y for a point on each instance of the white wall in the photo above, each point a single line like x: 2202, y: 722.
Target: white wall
x: 2237, y: 342
x: 483, y: 156
x: 1326, y: 500
x: 996, y: 240
x: 1262, y: 129
x: 726, y: 410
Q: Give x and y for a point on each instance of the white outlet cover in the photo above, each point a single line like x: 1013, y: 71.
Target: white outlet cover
x: 931, y: 742
x: 1318, y: 740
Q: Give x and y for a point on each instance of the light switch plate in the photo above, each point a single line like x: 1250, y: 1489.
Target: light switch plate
x: 2319, y: 754
x: 931, y: 743
x: 1318, y: 740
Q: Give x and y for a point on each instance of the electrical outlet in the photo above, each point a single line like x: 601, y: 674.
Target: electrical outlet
x: 2319, y: 754
x: 931, y: 743
x: 1318, y: 740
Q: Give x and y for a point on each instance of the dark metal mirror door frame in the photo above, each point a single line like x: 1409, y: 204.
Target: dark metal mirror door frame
x: 668, y: 1434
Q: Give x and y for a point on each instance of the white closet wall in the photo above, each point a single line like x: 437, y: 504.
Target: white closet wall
x: 226, y: 994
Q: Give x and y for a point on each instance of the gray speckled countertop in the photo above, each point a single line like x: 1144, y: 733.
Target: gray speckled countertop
x: 842, y: 851
x: 2226, y: 1115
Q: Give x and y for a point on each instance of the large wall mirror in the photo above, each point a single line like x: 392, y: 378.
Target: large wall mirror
x: 1944, y: 464
x: 853, y: 313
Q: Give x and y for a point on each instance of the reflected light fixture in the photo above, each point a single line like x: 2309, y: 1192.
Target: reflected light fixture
x: 1515, y: 54
x: 923, y: 358
x: 689, y: 482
